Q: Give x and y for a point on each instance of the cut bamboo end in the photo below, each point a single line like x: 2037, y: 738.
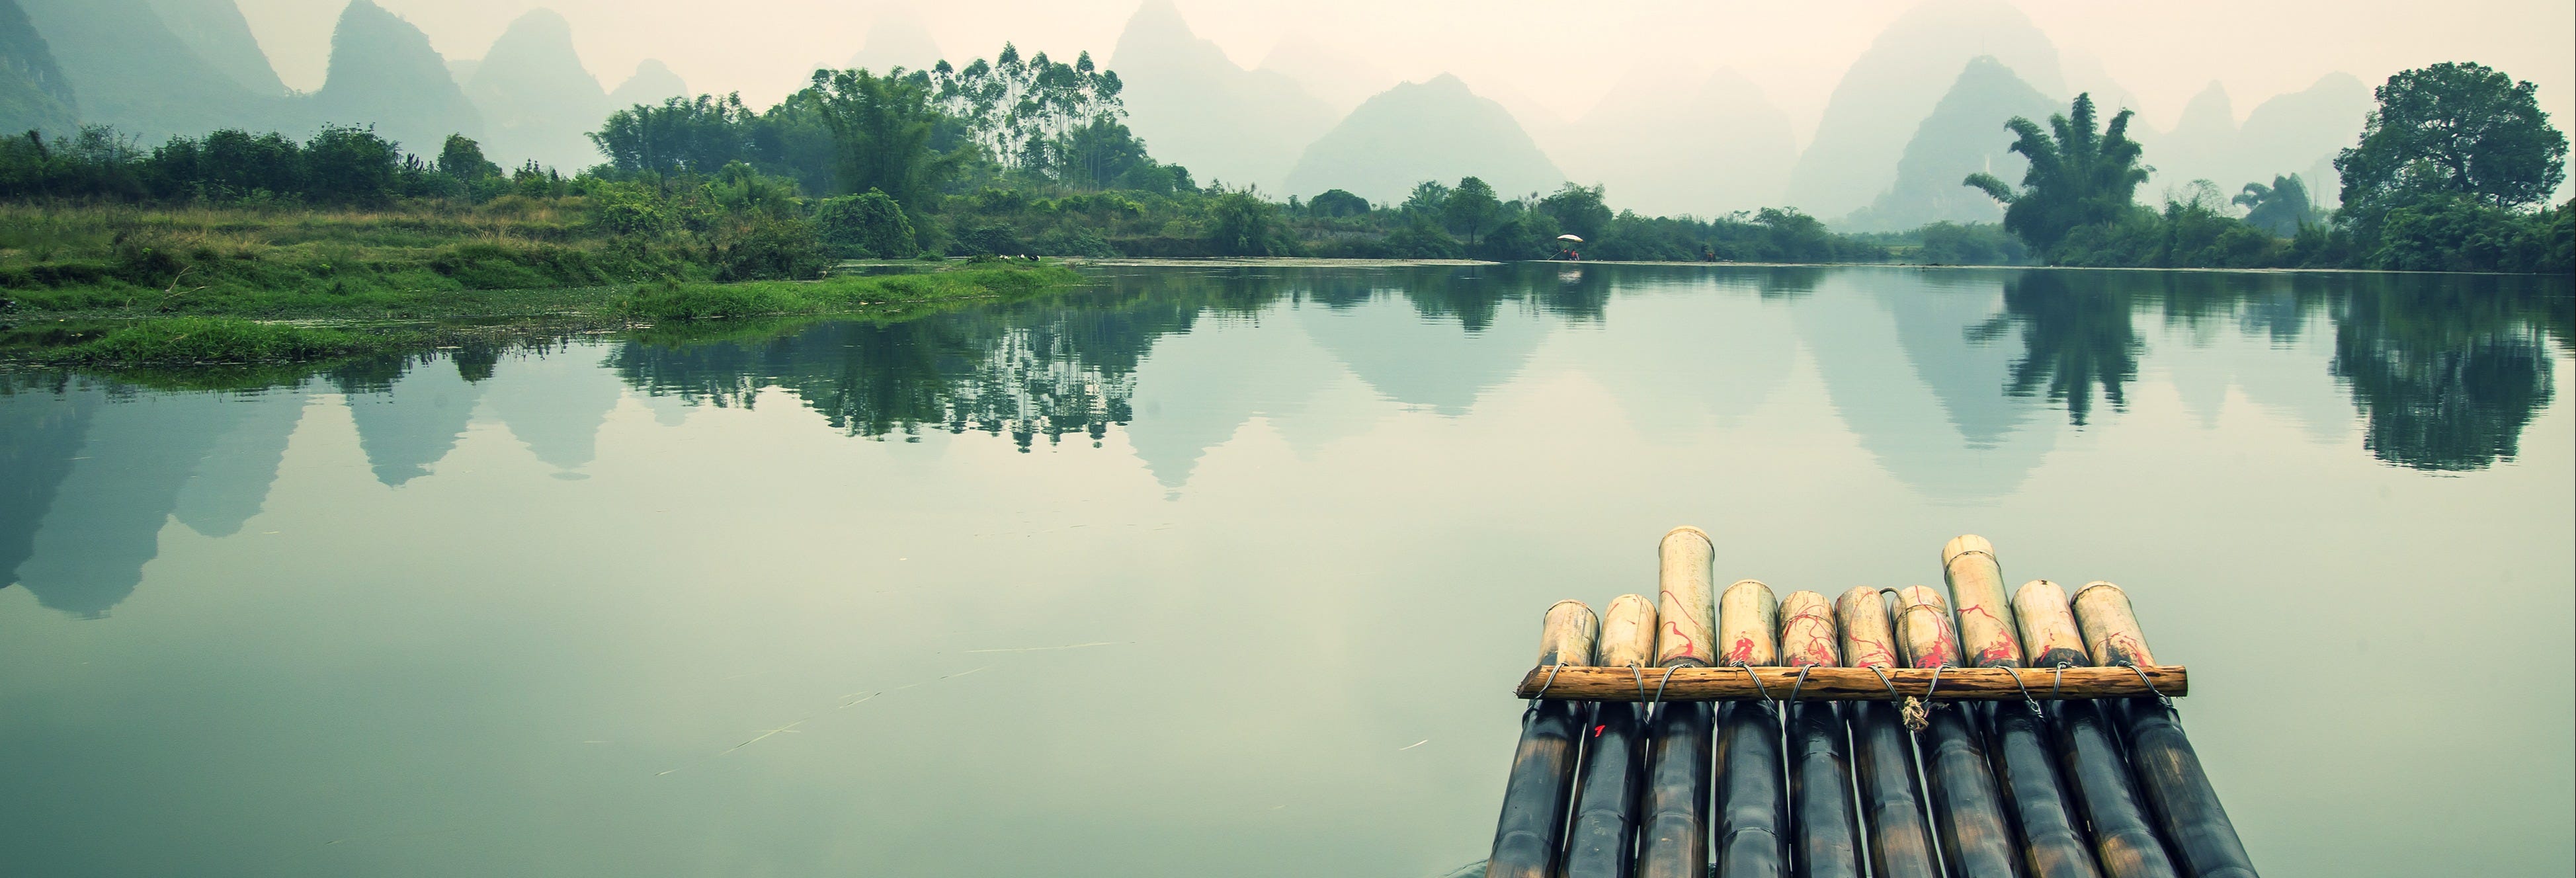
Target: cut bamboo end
x: 1685, y: 605
x: 1924, y: 634
x: 1748, y: 622
x: 1568, y: 635
x: 1869, y: 638
x: 2049, y: 635
x: 1985, y: 624
x: 1807, y: 635
x: 1855, y: 684
x: 2110, y: 627
x: 1628, y: 632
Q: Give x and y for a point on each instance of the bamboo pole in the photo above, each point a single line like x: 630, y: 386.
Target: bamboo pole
x: 1853, y: 684
x: 1752, y: 818
x: 2049, y: 636
x: 2178, y: 791
x: 1600, y: 841
x: 1900, y: 841
x: 1542, y: 778
x: 1824, y: 826
x: 2051, y: 845
x: 1967, y: 809
x: 1976, y: 581
x: 1672, y: 842
x: 2097, y: 774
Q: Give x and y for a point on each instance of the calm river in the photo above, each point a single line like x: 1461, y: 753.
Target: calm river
x: 1110, y: 584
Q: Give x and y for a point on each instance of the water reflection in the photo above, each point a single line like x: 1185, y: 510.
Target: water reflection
x: 1958, y: 383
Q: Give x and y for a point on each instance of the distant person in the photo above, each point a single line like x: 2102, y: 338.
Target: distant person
x: 1707, y: 255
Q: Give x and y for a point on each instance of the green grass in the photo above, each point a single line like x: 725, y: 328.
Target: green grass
x: 887, y: 294
x: 227, y: 341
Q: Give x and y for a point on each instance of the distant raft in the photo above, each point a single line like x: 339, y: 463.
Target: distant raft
x: 1886, y: 732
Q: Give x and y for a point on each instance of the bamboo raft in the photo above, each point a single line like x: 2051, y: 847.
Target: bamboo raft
x: 1738, y: 735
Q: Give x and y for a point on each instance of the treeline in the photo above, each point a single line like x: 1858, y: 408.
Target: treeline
x: 2451, y: 172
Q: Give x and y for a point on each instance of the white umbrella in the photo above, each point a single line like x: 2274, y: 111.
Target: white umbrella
x: 1569, y: 238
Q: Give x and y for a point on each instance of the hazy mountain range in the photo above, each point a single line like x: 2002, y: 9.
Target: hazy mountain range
x: 1920, y: 109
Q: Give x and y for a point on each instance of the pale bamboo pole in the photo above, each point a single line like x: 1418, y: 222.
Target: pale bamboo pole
x: 1900, y: 840
x: 1976, y: 581
x: 2178, y: 791
x: 2052, y: 846
x: 2097, y: 773
x: 1752, y: 811
x: 1672, y: 842
x: 1527, y: 836
x: 1824, y: 826
x: 1600, y: 841
x: 1967, y: 809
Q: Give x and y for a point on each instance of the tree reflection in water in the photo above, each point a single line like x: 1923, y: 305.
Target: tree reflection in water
x: 2448, y: 375
x: 2076, y: 335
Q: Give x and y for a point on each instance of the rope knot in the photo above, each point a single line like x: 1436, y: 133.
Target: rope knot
x: 1916, y: 713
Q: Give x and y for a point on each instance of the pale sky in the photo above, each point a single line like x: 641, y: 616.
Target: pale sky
x: 1562, y: 55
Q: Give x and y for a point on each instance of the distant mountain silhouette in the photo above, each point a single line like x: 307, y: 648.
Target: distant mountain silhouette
x: 221, y: 36
x: 1724, y: 147
x: 896, y: 39
x: 652, y: 83
x: 132, y: 71
x: 1964, y: 135
x: 232, y: 484
x: 383, y: 73
x: 1437, y: 130
x: 1341, y: 80
x: 1896, y: 84
x: 34, y: 93
x: 2294, y: 133
x: 1194, y: 107
x: 535, y: 96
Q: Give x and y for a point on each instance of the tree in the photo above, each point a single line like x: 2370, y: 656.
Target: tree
x: 2082, y: 176
x: 351, y: 165
x: 2280, y: 208
x: 1579, y: 211
x: 2451, y: 129
x: 881, y: 126
x: 1337, y: 203
x: 866, y: 226
x: 1472, y: 210
x: 699, y: 135
x: 1244, y: 225
x: 463, y: 159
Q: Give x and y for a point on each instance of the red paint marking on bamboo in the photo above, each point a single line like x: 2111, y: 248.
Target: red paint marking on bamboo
x: 1741, y: 652
x: 1877, y: 654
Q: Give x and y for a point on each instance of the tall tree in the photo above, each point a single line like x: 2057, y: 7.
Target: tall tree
x: 2084, y: 175
x: 882, y: 126
x: 2451, y: 129
x: 2280, y: 208
x: 1472, y: 210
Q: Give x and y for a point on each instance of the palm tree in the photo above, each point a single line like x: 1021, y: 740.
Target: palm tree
x: 2080, y: 177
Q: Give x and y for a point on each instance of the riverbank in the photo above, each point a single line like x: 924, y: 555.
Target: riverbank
x: 289, y: 328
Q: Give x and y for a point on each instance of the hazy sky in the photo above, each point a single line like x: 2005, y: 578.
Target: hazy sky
x: 1559, y: 54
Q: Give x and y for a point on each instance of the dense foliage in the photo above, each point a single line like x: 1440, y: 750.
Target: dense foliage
x: 2451, y: 174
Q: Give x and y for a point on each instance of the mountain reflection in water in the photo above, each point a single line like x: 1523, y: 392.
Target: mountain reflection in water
x: 2444, y: 373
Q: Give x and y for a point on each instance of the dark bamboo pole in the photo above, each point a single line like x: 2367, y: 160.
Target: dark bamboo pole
x: 1900, y: 842
x: 1673, y: 840
x: 1542, y: 778
x: 2097, y: 773
x: 1967, y: 809
x: 2052, y: 846
x: 1752, y: 811
x: 1824, y: 828
x: 1600, y: 841
x: 2179, y: 794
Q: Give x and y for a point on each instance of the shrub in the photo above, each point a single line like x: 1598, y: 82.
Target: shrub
x: 868, y: 226
x: 770, y: 249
